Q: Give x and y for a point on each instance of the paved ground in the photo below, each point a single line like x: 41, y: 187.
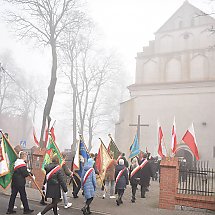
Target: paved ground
x: 107, y: 206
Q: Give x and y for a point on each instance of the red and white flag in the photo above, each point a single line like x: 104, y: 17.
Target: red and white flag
x: 174, y: 140
x: 35, y: 137
x: 190, y: 139
x: 160, y: 141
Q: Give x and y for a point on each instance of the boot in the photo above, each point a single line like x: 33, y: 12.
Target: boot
x: 84, y: 210
x: 133, y: 199
x: 88, y: 210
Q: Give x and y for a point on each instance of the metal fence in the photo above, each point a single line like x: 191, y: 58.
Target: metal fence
x: 198, y: 180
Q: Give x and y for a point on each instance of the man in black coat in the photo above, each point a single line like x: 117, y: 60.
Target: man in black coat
x: 18, y: 184
x: 145, y: 175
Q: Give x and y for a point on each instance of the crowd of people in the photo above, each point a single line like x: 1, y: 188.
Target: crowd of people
x: 118, y: 175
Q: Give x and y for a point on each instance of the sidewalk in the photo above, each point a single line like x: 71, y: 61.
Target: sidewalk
x: 148, y: 206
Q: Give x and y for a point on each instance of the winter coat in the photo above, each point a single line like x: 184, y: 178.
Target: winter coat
x: 55, y: 183
x: 145, y: 174
x: 123, y: 180
x: 89, y: 186
x: 135, y: 179
x: 19, y: 175
x: 110, y: 172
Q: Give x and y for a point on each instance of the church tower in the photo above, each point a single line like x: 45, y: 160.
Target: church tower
x: 175, y: 77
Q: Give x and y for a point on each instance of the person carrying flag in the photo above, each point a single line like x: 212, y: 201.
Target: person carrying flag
x: 18, y: 184
x: 54, y: 182
x: 121, y: 178
x: 88, y: 183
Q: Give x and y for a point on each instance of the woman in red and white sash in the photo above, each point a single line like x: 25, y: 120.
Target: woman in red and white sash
x: 88, y: 183
x: 54, y: 182
x: 121, y: 178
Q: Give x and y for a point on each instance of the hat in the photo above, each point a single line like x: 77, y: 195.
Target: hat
x: 121, y: 162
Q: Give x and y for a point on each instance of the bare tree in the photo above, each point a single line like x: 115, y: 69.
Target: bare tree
x: 45, y: 20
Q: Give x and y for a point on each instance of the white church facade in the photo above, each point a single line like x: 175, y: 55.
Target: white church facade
x: 175, y: 77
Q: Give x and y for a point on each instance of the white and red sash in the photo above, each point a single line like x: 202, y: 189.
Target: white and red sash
x: 134, y: 171
x: 143, y: 163
x: 87, y: 175
x: 120, y: 174
x: 19, y: 163
x: 52, y: 172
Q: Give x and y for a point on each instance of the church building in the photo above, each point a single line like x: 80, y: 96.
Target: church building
x: 175, y: 78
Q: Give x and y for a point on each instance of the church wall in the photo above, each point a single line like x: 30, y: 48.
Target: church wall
x: 175, y: 76
x: 187, y: 108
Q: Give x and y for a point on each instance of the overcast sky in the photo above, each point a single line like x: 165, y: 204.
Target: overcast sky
x: 127, y: 26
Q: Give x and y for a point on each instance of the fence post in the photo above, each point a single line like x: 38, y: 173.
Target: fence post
x: 169, y: 173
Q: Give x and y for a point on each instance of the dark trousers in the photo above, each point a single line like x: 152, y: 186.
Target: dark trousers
x: 88, y: 202
x: 23, y: 196
x: 133, y: 190
x: 76, y: 188
x: 120, y: 193
x: 50, y: 206
x: 143, y: 191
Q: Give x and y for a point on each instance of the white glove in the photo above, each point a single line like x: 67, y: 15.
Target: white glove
x: 66, y: 193
x: 33, y: 176
x: 28, y: 170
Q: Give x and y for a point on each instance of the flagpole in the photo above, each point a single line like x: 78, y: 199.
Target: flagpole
x: 37, y: 186
x: 168, y: 155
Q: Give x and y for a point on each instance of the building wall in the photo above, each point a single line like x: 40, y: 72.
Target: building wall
x: 175, y: 76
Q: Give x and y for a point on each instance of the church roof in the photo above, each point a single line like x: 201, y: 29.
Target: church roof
x: 186, y: 14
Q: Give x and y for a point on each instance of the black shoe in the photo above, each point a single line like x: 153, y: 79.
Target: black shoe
x: 117, y: 202
x: 84, y: 210
x: 11, y: 212
x: 88, y: 210
x: 143, y: 196
x: 133, y: 200
x: 28, y: 211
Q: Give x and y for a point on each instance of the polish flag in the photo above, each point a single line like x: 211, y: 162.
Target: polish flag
x: 160, y: 140
x: 190, y: 139
x: 35, y: 138
x: 174, y: 140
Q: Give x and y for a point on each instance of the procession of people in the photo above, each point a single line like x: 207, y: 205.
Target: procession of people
x: 118, y: 173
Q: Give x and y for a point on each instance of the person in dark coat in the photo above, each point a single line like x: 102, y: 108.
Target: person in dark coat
x: 69, y: 173
x: 145, y: 175
x: 134, y: 177
x: 121, y: 178
x: 18, y: 184
x: 88, y: 182
x: 54, y: 182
